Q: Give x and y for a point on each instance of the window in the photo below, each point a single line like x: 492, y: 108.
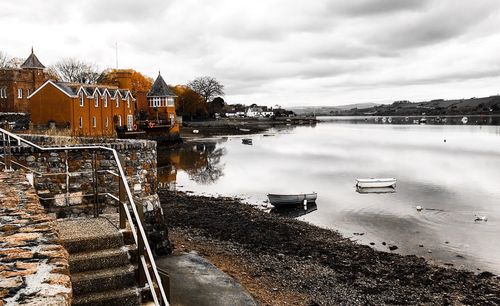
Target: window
x: 29, y: 91
x: 130, y: 122
x: 81, y: 99
x: 96, y: 99
x: 128, y: 101
x: 94, y: 121
x: 107, y: 122
x: 105, y: 100
x: 20, y: 93
x: 117, y: 101
x: 156, y: 102
x: 170, y: 101
x: 3, y: 92
x: 119, y: 120
x: 81, y: 122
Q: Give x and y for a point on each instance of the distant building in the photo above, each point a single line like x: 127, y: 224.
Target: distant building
x: 86, y: 110
x: 16, y: 84
x: 161, y: 104
x: 253, y: 112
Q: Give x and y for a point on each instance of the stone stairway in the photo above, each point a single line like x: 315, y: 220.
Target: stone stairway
x: 101, y: 262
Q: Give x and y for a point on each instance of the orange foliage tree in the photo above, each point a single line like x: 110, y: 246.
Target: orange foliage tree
x: 140, y: 82
x: 189, y: 103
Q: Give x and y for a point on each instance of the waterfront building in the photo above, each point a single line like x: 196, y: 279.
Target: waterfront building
x: 84, y: 110
x: 16, y: 84
x: 161, y: 105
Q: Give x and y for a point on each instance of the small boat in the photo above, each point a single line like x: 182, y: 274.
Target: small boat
x: 247, y: 141
x: 292, y: 199
x: 376, y: 182
x: 375, y: 190
x: 465, y: 120
x: 389, y: 119
x: 244, y: 130
x: 423, y: 120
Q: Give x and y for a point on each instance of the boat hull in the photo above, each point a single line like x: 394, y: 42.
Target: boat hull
x: 376, y: 183
x: 291, y: 199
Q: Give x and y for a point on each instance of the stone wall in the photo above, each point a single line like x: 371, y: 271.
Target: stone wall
x: 68, y: 184
x: 34, y: 267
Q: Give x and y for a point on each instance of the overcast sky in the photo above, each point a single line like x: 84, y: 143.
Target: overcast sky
x: 316, y: 52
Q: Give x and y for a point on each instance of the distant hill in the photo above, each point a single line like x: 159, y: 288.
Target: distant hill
x: 328, y: 110
x: 471, y: 106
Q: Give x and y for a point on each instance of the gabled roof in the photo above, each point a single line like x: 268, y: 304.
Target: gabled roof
x: 32, y: 62
x: 160, y: 88
x: 74, y: 89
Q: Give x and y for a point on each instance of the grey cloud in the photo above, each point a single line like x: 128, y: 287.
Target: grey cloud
x: 375, y: 7
x: 129, y: 11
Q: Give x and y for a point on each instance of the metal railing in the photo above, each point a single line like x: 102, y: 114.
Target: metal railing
x: 125, y: 201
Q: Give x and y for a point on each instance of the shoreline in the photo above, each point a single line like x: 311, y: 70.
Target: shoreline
x: 285, y: 261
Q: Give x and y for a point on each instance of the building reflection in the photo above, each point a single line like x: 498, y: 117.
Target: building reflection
x: 201, y: 161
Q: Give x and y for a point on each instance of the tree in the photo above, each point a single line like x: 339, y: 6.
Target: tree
x: 4, y: 60
x: 76, y: 71
x: 140, y: 82
x: 216, y: 106
x: 207, y: 87
x: 189, y: 103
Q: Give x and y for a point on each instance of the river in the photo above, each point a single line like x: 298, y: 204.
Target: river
x: 452, y: 171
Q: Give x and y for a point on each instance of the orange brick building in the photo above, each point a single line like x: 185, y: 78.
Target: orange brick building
x: 16, y: 84
x: 161, y: 103
x: 86, y: 110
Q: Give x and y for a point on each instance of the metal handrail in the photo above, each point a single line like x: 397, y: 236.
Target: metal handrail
x: 139, y: 240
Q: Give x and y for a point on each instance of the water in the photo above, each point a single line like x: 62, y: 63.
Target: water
x: 452, y: 181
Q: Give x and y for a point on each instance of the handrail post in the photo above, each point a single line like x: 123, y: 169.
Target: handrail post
x: 8, y: 156
x: 122, y: 195
x: 140, y: 247
x: 165, y: 281
x: 94, y: 181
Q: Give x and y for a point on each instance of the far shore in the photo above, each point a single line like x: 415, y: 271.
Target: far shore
x: 284, y: 261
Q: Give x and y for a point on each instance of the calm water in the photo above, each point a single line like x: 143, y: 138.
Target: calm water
x: 452, y: 180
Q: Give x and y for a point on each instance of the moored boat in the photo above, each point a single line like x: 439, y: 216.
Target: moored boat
x: 292, y: 199
x: 247, y: 141
x: 376, y: 182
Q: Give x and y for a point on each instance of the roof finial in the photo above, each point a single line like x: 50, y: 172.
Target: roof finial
x: 32, y: 50
x: 159, y: 72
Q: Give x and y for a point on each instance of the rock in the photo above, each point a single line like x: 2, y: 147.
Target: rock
x: 393, y: 247
x: 383, y: 243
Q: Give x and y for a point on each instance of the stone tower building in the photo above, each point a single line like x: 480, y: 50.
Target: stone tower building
x: 16, y: 84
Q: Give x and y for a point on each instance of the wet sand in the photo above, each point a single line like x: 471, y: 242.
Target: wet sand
x: 283, y: 261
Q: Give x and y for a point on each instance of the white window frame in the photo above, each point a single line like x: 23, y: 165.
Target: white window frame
x: 28, y: 92
x: 19, y: 93
x: 105, y: 100
x: 94, y: 122
x: 107, y: 121
x: 1, y: 92
x: 117, y: 101
x: 128, y: 101
x: 81, y: 122
x: 96, y: 100
x: 130, y: 122
x: 170, y: 101
x: 82, y: 103
x: 119, y: 120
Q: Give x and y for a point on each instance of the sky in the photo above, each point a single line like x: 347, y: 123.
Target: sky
x: 286, y: 52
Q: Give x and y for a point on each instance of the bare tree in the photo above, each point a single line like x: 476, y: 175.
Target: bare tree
x: 4, y: 60
x: 74, y: 70
x: 207, y: 87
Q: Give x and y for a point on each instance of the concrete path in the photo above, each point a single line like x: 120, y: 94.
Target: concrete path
x: 196, y: 282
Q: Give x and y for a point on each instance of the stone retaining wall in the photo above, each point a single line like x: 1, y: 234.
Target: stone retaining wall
x: 70, y: 193
x: 34, y: 267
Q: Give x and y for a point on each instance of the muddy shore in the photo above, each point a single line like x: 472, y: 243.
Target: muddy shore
x: 283, y: 261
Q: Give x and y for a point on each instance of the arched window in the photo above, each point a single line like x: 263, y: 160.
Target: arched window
x: 117, y: 101
x: 94, y: 121
x: 81, y: 99
x: 96, y: 99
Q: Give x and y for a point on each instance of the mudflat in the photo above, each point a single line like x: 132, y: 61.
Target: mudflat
x: 283, y: 261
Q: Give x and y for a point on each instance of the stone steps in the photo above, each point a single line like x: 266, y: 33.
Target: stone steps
x: 121, y: 297
x: 95, y: 260
x: 100, y: 262
x: 103, y: 280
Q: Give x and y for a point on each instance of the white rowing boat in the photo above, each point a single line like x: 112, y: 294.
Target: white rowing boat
x: 376, y: 182
x: 292, y: 199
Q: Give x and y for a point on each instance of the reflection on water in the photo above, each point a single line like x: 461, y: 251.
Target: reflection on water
x: 453, y: 181
x: 376, y: 190
x: 294, y: 212
x: 436, y: 120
